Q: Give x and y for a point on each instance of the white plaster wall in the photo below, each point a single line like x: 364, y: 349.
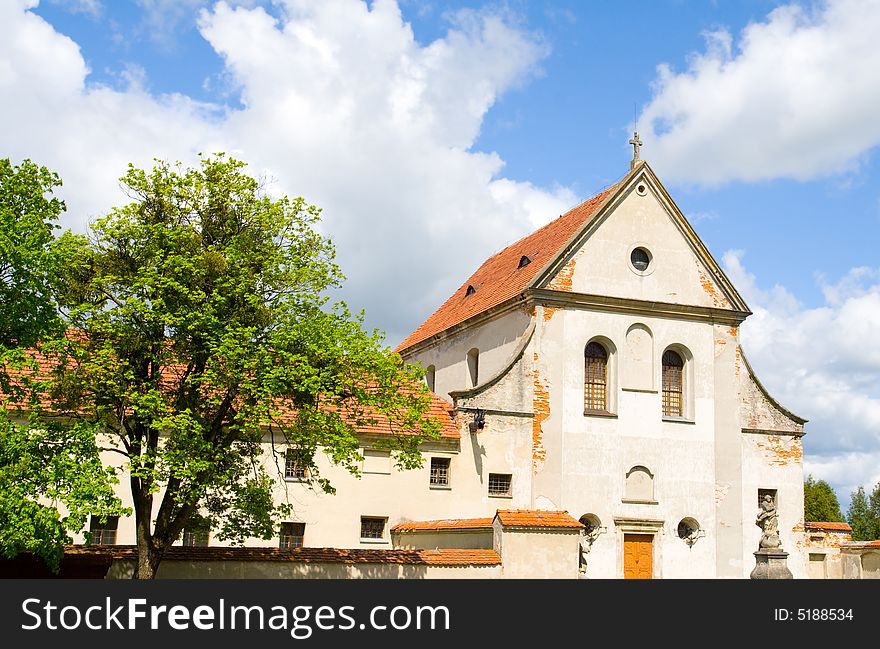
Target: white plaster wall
x: 538, y: 554
x: 334, y: 520
x: 495, y: 339
x: 587, y: 457
x: 502, y: 446
x: 774, y: 462
x: 602, y: 265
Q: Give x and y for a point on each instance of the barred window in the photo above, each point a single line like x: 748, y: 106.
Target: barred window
x: 499, y: 484
x: 294, y: 468
x: 292, y: 535
x: 372, y: 528
x: 440, y: 471
x: 595, y: 377
x: 104, y: 531
x: 673, y: 384
x: 195, y: 538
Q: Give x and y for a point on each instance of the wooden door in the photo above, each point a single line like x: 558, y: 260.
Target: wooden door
x: 638, y: 550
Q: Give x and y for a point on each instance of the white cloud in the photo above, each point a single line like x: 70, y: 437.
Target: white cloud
x: 340, y: 104
x: 91, y: 7
x: 795, y: 96
x: 88, y: 133
x: 824, y: 364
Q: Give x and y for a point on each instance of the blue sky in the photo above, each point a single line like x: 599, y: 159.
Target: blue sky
x: 435, y: 133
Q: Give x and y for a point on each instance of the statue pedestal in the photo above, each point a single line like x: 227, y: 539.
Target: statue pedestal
x: 771, y: 564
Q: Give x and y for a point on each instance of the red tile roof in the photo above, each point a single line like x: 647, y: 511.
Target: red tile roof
x: 500, y: 277
x: 449, y: 524
x: 439, y: 408
x: 440, y: 557
x: 536, y: 518
x: 837, y: 527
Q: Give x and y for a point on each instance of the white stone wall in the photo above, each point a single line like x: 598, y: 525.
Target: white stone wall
x: 537, y: 553
x: 496, y: 340
x: 774, y: 462
x: 502, y: 446
x: 602, y: 265
x: 586, y: 458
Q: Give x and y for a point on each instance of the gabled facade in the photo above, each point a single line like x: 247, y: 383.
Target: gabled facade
x: 604, y: 350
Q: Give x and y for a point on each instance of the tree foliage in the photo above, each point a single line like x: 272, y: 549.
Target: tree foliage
x: 28, y: 212
x: 51, y: 476
x: 820, y: 502
x: 204, y: 331
x: 51, y: 479
x: 863, y: 514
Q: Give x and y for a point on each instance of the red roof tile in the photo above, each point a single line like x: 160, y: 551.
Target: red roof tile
x: 536, y: 518
x: 440, y: 557
x: 449, y: 524
x: 500, y: 277
x: 837, y: 527
x: 439, y: 408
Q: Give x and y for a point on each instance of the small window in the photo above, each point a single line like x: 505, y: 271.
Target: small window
x: 524, y: 261
x: 595, y: 377
x: 499, y: 484
x: 103, y: 531
x: 470, y: 290
x: 294, y: 467
x: 292, y: 535
x: 640, y: 259
x: 673, y: 384
x: 430, y: 377
x: 440, y: 471
x: 195, y: 538
x: 372, y: 529
x: 473, y: 366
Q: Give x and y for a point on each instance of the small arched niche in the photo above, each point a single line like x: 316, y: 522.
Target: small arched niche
x: 638, y: 365
x: 689, y: 530
x: 473, y: 366
x: 430, y: 377
x: 592, y: 525
x: 639, y: 487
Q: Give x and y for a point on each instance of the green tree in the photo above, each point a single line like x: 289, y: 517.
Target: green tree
x: 51, y: 476
x: 863, y: 514
x: 820, y: 502
x: 204, y: 332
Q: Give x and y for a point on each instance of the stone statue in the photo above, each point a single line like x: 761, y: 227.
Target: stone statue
x: 768, y: 521
x: 584, y: 547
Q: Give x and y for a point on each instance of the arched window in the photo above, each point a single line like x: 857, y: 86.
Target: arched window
x: 473, y: 363
x: 673, y: 384
x: 430, y: 376
x: 595, y: 377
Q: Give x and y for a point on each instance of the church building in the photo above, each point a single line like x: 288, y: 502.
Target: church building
x: 597, y: 363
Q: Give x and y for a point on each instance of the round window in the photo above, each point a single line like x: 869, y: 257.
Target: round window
x: 640, y: 259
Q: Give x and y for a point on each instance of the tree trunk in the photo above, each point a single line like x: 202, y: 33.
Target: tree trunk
x: 149, y: 553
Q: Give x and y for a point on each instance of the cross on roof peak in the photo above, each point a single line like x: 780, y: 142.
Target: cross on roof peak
x: 636, y: 143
